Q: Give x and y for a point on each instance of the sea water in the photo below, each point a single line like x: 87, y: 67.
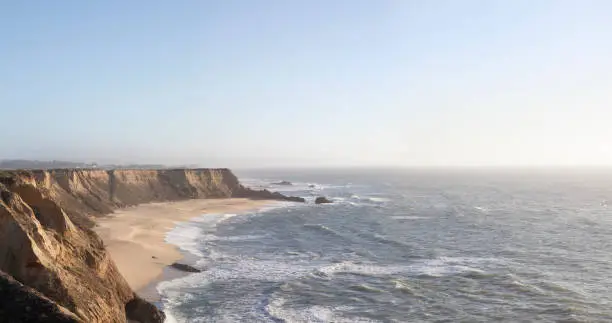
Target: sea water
x: 404, y: 246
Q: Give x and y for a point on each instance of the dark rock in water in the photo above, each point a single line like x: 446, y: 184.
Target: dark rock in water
x: 267, y: 195
x: 312, y: 186
x: 286, y: 183
x: 295, y: 199
x: 19, y: 303
x: 142, y: 311
x: 184, y: 267
x: 322, y: 200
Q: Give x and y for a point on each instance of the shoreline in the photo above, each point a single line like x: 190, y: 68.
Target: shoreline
x: 136, y: 237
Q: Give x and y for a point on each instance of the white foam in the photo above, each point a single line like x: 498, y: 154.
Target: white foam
x: 254, y: 269
x: 371, y: 199
x: 379, y: 199
x: 246, y: 237
x: 275, y: 206
x: 213, y: 218
x: 262, y: 269
x: 259, y: 270
x: 189, y: 236
x: 312, y: 314
x: 185, y: 236
x: 231, y: 268
x: 238, y: 268
x: 439, y: 267
x: 482, y: 209
x: 172, y: 298
x: 169, y: 317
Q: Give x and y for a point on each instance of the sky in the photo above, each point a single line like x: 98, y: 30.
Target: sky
x: 308, y: 83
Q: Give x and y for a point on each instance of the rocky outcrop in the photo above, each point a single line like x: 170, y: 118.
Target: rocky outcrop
x: 266, y: 195
x: 185, y: 268
x: 41, y: 248
x: 322, y: 200
x: 283, y: 183
x: 46, y: 241
x: 139, y: 310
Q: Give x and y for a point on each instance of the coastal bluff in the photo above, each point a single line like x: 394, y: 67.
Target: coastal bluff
x: 48, y: 247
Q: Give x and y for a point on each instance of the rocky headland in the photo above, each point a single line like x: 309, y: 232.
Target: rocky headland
x: 53, y: 260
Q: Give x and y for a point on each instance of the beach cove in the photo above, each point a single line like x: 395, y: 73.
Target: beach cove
x: 136, y: 237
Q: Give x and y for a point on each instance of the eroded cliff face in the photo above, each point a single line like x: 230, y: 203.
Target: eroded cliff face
x: 41, y: 248
x: 84, y: 194
x: 46, y: 242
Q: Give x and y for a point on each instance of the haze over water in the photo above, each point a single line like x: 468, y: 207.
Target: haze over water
x: 406, y: 246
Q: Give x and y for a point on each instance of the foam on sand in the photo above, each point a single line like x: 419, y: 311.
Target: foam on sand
x: 312, y: 314
x: 137, y: 241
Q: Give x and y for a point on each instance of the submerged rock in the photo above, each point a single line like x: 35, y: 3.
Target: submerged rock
x: 285, y: 183
x: 184, y: 267
x: 322, y: 200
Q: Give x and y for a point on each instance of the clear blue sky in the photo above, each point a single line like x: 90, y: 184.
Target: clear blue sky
x: 355, y: 82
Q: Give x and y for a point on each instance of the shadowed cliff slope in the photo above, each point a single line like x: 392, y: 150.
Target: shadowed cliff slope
x: 19, y: 303
x: 41, y: 248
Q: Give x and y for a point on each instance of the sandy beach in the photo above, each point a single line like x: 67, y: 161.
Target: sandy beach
x: 135, y: 237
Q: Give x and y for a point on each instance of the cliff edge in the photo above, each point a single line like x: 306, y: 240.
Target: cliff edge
x: 87, y: 193
x: 46, y: 241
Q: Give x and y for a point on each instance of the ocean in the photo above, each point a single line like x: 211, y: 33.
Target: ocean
x: 404, y: 246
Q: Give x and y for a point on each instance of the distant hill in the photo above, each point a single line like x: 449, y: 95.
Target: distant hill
x: 134, y: 166
x: 42, y: 164
x: 52, y: 164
